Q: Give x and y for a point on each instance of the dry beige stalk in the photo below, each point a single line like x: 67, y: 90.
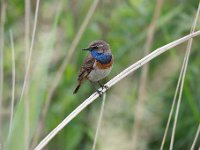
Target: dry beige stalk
x: 184, y: 68
x: 63, y: 67
x: 195, y: 138
x: 27, y: 72
x: 27, y: 46
x: 2, y: 23
x: 99, y: 122
x: 140, y: 106
x: 13, y: 83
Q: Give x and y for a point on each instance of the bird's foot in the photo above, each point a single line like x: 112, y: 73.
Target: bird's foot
x: 100, y: 93
x: 105, y: 86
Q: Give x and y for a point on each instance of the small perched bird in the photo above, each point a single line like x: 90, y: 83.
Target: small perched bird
x: 97, y: 64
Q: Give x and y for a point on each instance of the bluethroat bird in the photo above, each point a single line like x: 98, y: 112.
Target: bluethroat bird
x: 97, y: 64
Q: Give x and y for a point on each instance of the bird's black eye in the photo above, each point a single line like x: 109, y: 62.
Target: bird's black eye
x: 94, y: 47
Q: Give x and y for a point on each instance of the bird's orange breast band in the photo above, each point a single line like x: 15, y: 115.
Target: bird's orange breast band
x: 104, y: 66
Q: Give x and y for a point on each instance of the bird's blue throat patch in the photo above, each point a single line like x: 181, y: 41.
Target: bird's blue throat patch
x: 103, y: 58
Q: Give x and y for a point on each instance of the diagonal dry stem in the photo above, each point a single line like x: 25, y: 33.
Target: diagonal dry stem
x: 27, y: 29
x: 27, y: 45
x: 27, y: 72
x: 63, y: 67
x: 195, y: 138
x: 13, y: 83
x: 99, y: 122
x: 2, y: 23
x: 112, y: 82
x: 143, y: 79
x: 189, y: 45
x: 172, y: 107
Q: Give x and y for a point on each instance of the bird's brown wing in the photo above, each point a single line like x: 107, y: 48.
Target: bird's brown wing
x: 86, y: 68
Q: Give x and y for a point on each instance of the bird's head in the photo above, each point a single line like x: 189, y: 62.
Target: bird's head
x: 100, y: 46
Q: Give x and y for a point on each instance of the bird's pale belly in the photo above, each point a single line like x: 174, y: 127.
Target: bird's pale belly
x: 98, y: 74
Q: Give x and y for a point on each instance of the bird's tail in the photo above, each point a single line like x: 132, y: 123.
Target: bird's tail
x: 77, y: 88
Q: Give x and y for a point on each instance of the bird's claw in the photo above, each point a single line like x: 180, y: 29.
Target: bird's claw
x: 100, y: 93
x: 105, y: 86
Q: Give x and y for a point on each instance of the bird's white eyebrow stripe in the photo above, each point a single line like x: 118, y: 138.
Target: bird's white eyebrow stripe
x: 101, y: 45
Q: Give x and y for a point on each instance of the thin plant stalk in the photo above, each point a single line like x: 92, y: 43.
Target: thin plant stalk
x: 179, y: 101
x: 2, y: 23
x: 143, y: 80
x: 172, y: 107
x: 195, y: 138
x: 27, y: 72
x: 175, y: 96
x: 112, y: 82
x: 26, y: 123
x: 54, y: 28
x: 27, y: 29
x: 27, y: 46
x: 99, y: 122
x: 189, y: 45
x: 63, y: 67
x: 13, y: 83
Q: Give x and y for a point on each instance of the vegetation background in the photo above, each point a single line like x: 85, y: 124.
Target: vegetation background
x: 124, y: 25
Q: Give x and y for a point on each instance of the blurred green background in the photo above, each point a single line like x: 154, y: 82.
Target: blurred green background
x: 123, y: 24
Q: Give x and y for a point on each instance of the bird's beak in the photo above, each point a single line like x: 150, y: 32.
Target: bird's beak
x: 87, y: 49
